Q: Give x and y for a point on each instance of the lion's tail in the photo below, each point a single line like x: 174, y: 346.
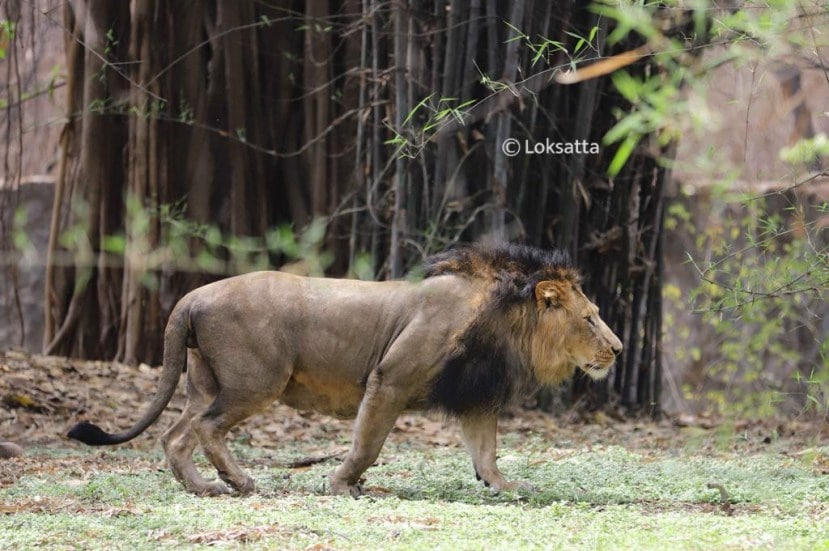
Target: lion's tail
x: 175, y: 358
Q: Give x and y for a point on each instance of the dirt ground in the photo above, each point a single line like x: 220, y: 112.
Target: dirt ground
x: 42, y: 396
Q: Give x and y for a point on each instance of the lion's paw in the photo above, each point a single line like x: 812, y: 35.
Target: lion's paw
x: 339, y: 487
x: 211, y: 489
x: 510, y: 486
x: 248, y: 486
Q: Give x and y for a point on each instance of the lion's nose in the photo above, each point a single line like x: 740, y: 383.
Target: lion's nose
x: 617, y: 350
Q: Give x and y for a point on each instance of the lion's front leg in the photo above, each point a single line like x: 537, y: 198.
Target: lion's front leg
x: 379, y: 409
x: 479, y: 436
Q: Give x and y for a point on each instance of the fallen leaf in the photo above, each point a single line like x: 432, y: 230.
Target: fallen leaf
x: 18, y: 401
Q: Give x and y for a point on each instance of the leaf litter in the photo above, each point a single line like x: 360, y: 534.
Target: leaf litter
x: 42, y: 396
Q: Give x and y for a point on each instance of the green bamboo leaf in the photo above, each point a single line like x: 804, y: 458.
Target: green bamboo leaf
x: 622, y: 155
x: 414, y: 110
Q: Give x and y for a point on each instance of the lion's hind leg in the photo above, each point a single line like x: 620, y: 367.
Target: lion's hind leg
x: 211, y: 427
x: 238, y: 398
x: 180, y: 441
x: 179, y: 444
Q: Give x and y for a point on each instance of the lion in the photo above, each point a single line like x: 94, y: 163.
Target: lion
x: 485, y: 326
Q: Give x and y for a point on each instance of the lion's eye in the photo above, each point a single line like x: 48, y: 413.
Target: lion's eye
x: 590, y: 322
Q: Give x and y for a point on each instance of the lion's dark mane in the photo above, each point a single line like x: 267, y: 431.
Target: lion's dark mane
x: 489, y: 368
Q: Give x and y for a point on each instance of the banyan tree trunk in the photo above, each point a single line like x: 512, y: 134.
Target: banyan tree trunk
x: 249, y: 115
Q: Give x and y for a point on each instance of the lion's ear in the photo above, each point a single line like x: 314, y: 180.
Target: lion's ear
x: 552, y: 293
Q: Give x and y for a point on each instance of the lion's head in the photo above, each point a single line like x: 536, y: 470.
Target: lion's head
x: 570, y: 333
x: 536, y: 326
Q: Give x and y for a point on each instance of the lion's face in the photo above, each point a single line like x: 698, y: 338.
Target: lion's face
x: 570, y: 334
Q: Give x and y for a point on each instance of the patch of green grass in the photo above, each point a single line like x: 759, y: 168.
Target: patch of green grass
x: 427, y: 498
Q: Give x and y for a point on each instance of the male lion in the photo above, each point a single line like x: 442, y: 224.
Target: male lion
x: 484, y: 326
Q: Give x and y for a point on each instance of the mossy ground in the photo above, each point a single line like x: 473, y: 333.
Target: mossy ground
x: 601, y: 483
x: 421, y: 497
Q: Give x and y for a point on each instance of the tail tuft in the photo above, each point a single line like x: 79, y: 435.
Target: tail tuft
x: 90, y: 434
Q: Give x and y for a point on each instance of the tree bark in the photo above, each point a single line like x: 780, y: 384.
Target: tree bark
x: 242, y: 117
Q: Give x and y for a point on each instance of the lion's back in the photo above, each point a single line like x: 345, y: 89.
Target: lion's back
x: 321, y: 319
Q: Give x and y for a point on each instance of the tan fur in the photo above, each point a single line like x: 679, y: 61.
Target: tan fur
x: 549, y: 363
x: 351, y: 349
x: 565, y: 340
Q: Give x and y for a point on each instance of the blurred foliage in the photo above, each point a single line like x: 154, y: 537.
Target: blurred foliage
x: 806, y: 151
x: 763, y: 268
x: 7, y: 31
x: 189, y: 246
x: 763, y: 348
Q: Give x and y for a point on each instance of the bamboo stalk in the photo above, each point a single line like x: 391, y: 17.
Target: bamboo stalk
x: 401, y: 109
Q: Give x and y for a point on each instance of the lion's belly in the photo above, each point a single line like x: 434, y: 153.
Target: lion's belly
x: 336, y: 398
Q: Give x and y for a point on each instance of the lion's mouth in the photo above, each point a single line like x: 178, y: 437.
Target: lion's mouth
x: 597, y: 371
